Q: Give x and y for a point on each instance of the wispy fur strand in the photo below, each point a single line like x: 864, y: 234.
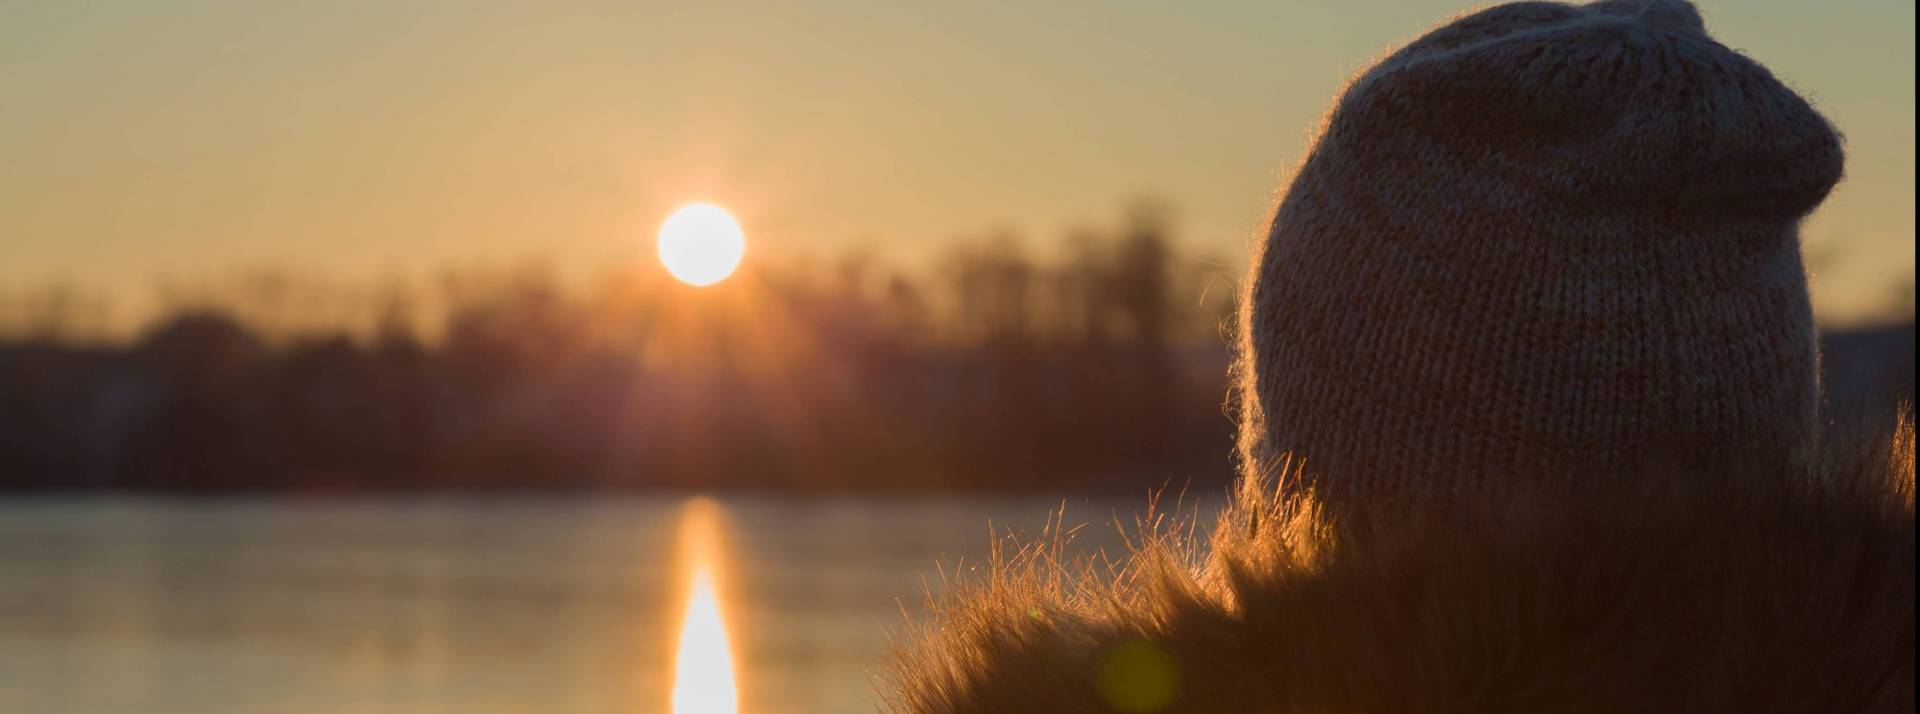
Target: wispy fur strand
x: 1785, y: 587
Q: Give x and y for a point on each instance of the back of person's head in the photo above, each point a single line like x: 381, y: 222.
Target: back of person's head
x: 1541, y: 241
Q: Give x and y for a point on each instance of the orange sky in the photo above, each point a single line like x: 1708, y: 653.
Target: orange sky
x: 193, y: 138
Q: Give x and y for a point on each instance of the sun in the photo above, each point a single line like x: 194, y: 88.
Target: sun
x: 701, y: 244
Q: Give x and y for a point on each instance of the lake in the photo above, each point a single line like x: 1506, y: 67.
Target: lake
x: 417, y: 605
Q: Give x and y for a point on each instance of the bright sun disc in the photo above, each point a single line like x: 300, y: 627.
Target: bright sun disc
x: 701, y: 244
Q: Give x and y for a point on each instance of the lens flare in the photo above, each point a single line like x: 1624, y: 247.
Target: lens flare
x: 703, y: 675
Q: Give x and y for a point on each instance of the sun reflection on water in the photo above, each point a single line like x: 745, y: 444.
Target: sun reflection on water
x: 703, y: 674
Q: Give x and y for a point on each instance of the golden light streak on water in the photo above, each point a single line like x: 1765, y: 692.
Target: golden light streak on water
x: 704, y: 681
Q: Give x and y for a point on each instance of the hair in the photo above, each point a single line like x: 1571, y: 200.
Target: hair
x: 1784, y: 586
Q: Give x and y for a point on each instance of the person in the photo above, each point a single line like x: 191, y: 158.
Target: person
x: 1530, y: 419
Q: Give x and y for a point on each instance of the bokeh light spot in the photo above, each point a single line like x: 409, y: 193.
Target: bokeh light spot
x: 1138, y: 677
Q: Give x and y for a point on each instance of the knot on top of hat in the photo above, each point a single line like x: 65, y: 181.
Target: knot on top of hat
x: 1671, y: 15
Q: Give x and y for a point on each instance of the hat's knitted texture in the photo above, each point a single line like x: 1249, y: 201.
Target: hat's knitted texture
x: 1541, y: 239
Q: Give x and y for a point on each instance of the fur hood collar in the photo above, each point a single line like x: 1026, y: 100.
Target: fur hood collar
x: 1772, y: 588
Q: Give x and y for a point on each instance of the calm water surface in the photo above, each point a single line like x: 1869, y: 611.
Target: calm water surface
x: 451, y: 605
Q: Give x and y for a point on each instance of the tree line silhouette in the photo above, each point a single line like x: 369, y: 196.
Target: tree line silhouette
x: 1101, y: 367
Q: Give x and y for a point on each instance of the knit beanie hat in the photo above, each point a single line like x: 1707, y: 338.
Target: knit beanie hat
x: 1541, y: 240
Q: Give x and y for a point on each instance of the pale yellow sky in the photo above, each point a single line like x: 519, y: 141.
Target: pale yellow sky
x: 146, y: 140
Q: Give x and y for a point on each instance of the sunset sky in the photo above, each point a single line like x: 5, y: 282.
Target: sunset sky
x: 145, y: 140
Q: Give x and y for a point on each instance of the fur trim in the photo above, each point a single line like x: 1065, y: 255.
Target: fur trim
x: 1787, y: 589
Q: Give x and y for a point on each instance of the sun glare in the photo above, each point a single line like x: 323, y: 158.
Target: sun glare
x: 701, y: 244
x: 703, y: 676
